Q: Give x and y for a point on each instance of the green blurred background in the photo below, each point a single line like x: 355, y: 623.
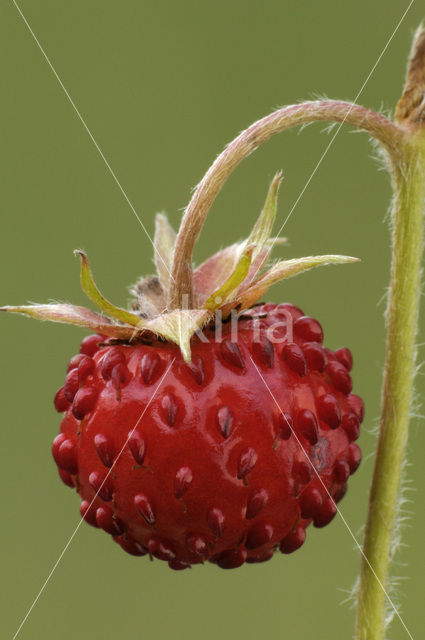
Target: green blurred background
x: 163, y: 86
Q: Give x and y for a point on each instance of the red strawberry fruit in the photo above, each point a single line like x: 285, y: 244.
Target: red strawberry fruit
x: 218, y: 432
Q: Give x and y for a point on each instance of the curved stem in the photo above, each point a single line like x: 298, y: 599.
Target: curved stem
x: 408, y: 180
x: 402, y: 320
x: 374, y: 123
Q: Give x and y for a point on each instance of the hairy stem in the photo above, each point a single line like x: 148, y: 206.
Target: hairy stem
x: 402, y: 320
x: 402, y: 317
x: 291, y: 116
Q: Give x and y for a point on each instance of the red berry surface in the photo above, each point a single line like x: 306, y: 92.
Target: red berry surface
x: 225, y: 459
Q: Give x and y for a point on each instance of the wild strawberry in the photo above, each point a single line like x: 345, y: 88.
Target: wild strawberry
x: 218, y: 432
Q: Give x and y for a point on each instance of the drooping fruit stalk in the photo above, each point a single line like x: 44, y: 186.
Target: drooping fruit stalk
x: 386, y: 132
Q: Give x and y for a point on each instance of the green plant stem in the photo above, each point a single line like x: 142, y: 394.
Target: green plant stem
x: 402, y: 321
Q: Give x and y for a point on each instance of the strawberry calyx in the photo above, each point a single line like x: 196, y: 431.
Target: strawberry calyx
x: 235, y: 278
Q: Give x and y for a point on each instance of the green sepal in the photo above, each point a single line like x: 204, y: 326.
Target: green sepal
x: 282, y: 271
x: 221, y: 295
x: 72, y: 314
x: 178, y: 326
x: 260, y: 234
x: 92, y: 292
x: 164, y: 241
